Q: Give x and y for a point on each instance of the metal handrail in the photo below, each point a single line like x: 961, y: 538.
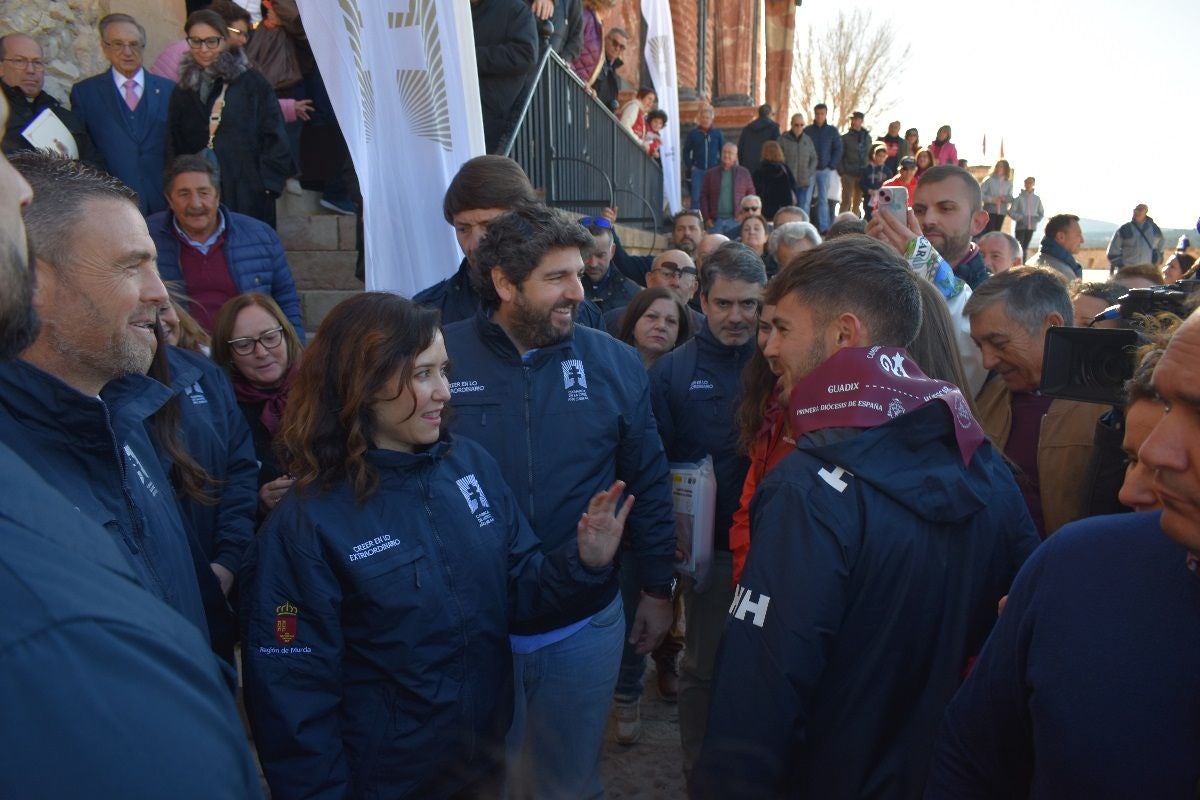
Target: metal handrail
x: 565, y: 137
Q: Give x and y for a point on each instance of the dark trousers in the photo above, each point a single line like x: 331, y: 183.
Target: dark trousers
x: 995, y: 221
x: 1023, y: 236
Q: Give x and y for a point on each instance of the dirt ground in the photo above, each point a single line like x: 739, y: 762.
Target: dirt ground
x: 652, y: 768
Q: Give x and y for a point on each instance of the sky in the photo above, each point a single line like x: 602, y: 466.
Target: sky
x: 1098, y: 100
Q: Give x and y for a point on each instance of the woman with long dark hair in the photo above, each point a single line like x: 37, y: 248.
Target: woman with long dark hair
x: 378, y: 597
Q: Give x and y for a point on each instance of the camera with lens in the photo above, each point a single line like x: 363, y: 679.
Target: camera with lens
x: 1092, y: 364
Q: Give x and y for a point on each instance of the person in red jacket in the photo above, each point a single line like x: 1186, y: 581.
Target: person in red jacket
x: 723, y: 190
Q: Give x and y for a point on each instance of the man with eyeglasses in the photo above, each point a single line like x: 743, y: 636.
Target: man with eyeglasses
x: 607, y: 84
x: 23, y: 73
x: 124, y: 110
x: 675, y: 271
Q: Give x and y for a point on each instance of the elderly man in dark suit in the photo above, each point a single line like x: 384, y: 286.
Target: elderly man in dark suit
x: 125, y: 111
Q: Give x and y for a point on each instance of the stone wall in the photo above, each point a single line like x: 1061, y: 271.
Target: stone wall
x: 66, y: 30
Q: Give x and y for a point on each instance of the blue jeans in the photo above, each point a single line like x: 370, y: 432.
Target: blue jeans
x: 697, y: 184
x: 820, y: 178
x: 804, y: 198
x: 563, y: 693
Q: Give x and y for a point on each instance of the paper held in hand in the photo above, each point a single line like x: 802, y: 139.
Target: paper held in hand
x: 694, y: 495
x: 47, y: 132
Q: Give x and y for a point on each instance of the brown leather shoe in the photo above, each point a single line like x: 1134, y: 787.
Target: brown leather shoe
x: 668, y: 680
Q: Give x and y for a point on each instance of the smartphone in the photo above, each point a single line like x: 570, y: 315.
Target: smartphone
x: 893, y: 200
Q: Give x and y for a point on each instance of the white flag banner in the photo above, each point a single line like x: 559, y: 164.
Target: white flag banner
x: 660, y: 61
x: 404, y: 86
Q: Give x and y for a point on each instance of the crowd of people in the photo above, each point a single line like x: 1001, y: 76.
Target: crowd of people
x: 439, y: 541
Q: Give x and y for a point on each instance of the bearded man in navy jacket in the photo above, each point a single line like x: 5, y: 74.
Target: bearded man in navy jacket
x: 563, y: 409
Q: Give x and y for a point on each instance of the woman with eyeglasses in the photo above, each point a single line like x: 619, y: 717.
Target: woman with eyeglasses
x: 227, y: 111
x: 378, y: 598
x: 259, y: 349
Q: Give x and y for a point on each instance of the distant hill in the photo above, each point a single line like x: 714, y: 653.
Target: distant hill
x: 1097, y: 233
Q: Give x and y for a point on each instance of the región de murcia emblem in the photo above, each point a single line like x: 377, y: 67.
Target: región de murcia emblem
x: 286, y: 616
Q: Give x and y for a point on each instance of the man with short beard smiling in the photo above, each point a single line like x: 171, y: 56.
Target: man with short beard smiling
x: 74, y: 404
x: 563, y: 409
x: 77, y: 616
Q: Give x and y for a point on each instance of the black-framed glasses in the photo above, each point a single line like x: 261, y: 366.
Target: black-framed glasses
x: 208, y: 43
x: 245, y: 345
x: 26, y: 63
x: 670, y: 269
x: 754, y: 209
x: 596, y: 222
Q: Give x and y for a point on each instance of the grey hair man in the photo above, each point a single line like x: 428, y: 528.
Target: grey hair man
x: 1000, y: 251
x: 789, y: 214
x: 694, y: 391
x: 1050, y: 439
x: 789, y: 240
x: 131, y: 133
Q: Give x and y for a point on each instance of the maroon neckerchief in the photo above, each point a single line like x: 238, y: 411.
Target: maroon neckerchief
x: 859, y: 387
x: 274, y: 400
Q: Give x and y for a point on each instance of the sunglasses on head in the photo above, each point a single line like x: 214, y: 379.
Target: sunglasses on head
x: 595, y: 222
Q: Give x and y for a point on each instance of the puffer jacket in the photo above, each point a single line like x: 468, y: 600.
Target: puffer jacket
x: 253, y: 252
x: 377, y: 659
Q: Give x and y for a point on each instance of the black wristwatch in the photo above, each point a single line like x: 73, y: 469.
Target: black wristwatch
x: 663, y: 591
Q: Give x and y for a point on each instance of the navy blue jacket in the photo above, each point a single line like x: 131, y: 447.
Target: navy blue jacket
x: 96, y: 671
x: 694, y: 390
x: 253, y: 253
x: 1090, y: 684
x: 876, y: 565
x: 702, y: 148
x: 828, y: 143
x: 377, y: 660
x: 98, y: 453
x: 215, y: 433
x: 564, y: 425
x: 457, y: 299
x: 133, y: 143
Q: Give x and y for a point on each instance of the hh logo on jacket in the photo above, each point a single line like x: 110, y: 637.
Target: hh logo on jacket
x: 744, y: 603
x: 476, y: 499
x: 574, y: 379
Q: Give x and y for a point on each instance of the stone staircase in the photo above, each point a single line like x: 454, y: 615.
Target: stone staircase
x: 321, y: 250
